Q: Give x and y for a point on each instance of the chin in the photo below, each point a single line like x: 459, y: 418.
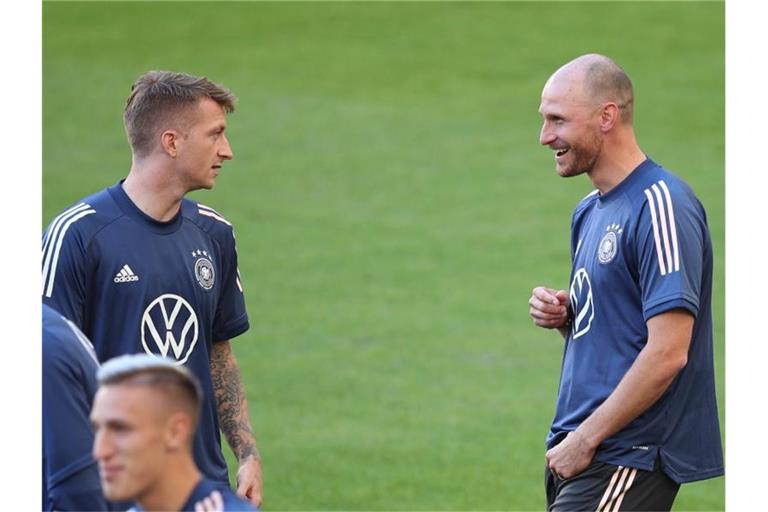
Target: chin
x: 114, y: 493
x: 571, y: 170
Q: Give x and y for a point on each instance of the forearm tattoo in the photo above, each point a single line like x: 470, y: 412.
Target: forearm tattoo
x: 231, y: 405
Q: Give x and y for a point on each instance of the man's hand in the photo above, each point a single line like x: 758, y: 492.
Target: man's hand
x: 549, y: 307
x: 249, y: 480
x: 571, y: 456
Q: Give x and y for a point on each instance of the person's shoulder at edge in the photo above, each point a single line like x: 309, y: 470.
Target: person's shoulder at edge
x: 86, y: 215
x: 207, y: 219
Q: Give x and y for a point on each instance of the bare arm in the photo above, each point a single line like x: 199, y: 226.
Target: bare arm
x: 235, y: 421
x: 665, y: 354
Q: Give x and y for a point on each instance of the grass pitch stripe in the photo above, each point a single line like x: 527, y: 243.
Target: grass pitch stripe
x: 656, y: 232
x: 59, y: 241
x: 52, y: 244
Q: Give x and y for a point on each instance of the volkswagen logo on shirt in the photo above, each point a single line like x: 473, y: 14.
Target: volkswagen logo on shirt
x: 582, y: 304
x: 169, y: 328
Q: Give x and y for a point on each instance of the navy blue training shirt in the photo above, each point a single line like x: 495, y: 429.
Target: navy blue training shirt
x: 70, y: 474
x: 133, y: 284
x: 638, y: 251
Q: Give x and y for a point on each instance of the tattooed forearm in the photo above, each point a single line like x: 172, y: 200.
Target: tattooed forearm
x: 231, y: 405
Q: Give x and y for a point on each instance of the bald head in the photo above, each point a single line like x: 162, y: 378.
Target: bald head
x: 595, y: 79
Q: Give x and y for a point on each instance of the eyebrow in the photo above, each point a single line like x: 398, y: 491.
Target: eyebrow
x: 549, y: 115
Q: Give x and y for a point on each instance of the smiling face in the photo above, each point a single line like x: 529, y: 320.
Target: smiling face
x: 571, y: 125
x: 129, y: 442
x: 204, y: 147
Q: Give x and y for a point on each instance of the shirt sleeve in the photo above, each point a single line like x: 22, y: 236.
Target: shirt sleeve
x: 671, y: 236
x: 70, y: 471
x: 231, y: 316
x: 64, y: 265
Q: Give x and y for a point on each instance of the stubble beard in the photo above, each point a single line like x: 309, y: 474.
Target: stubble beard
x: 583, y: 156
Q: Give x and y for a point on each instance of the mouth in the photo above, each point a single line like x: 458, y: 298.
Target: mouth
x: 110, y: 473
x: 561, y: 152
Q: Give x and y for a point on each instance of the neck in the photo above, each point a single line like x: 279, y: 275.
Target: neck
x: 173, y: 488
x: 153, y: 191
x: 616, y: 162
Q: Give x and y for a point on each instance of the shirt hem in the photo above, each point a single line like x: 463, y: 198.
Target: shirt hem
x: 668, y: 304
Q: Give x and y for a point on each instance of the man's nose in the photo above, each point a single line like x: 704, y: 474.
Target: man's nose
x: 546, y: 137
x: 101, y: 446
x: 225, y: 151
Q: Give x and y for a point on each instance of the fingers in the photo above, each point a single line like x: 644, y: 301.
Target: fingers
x: 548, y: 307
x: 243, y: 490
x: 551, y: 463
x: 548, y: 295
x: 252, y: 493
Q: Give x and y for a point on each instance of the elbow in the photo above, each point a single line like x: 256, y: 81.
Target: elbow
x: 675, y: 363
x: 669, y: 363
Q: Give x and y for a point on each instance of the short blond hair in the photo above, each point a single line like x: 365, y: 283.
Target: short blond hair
x: 174, y: 381
x: 160, y: 97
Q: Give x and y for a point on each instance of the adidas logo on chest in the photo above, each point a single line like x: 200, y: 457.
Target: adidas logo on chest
x: 126, y: 275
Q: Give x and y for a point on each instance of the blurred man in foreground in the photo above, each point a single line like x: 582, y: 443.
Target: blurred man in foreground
x: 144, y: 417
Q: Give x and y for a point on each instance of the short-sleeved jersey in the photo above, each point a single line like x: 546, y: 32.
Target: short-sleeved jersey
x: 133, y: 284
x: 204, y: 488
x: 640, y: 250
x: 70, y: 474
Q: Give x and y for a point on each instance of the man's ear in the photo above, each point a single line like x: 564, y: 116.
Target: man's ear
x: 178, y: 430
x: 169, y: 141
x: 609, y: 116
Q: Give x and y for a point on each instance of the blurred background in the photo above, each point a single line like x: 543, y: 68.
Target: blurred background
x: 393, y: 210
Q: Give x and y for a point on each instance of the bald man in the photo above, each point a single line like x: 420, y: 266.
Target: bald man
x: 636, y: 413
x: 144, y: 417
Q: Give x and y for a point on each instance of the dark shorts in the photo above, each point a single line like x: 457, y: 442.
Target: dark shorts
x: 605, y: 487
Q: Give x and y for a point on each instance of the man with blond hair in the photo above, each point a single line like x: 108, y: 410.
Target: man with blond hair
x: 138, y: 267
x: 144, y: 417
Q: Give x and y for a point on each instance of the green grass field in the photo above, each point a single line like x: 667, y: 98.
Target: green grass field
x: 393, y: 211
